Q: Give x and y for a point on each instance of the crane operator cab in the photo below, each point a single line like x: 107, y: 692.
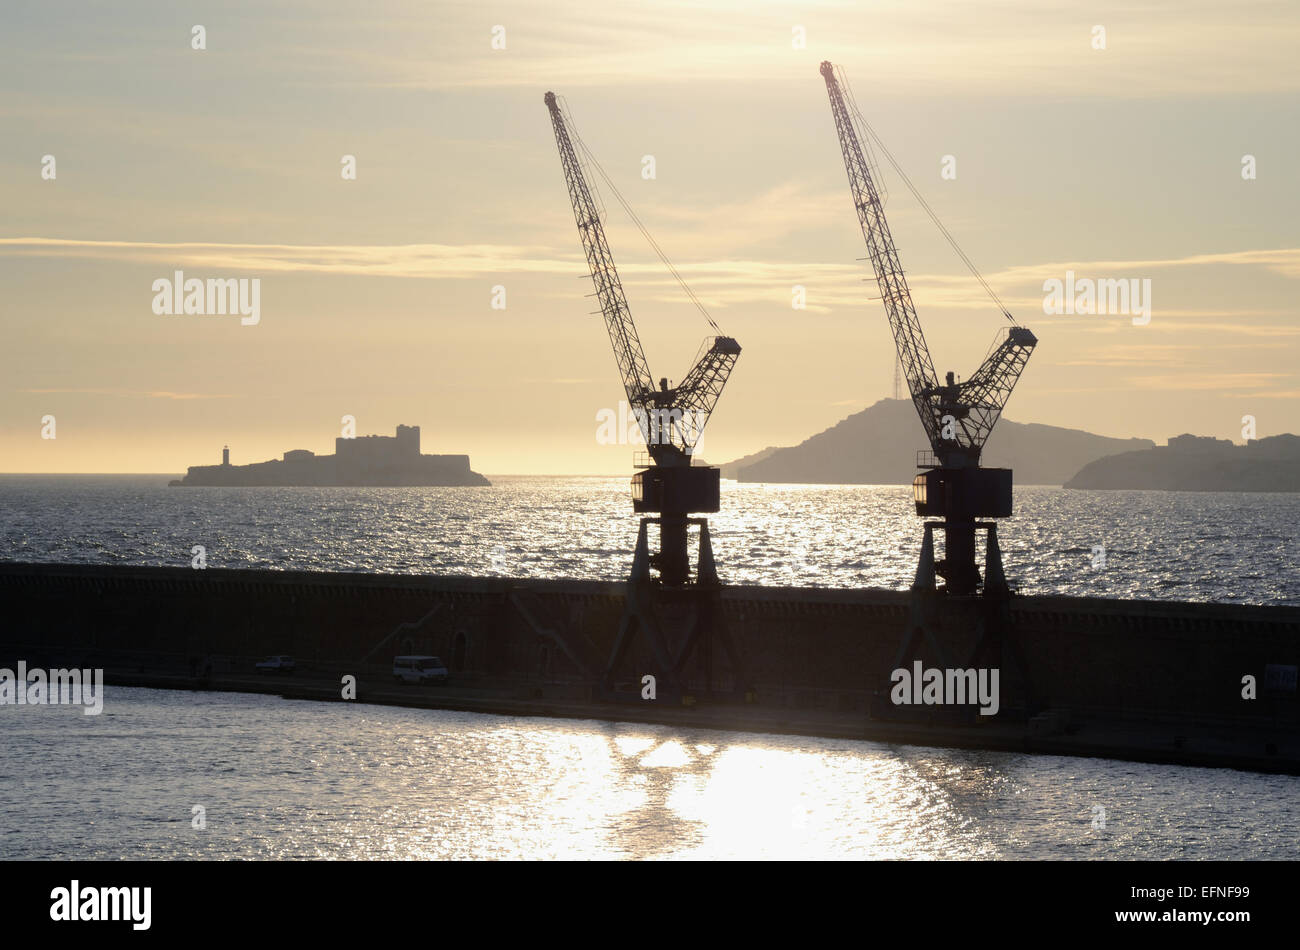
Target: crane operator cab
x: 682, y: 489
x: 963, y: 493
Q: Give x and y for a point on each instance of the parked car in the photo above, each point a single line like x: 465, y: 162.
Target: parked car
x: 419, y: 669
x: 276, y: 664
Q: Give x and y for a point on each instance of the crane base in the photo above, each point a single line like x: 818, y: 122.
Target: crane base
x: 677, y: 622
x: 943, y: 626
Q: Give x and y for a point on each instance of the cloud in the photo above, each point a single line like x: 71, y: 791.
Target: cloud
x: 146, y: 393
x: 393, y: 260
x: 1140, y: 353
x: 719, y: 282
x: 1208, y: 381
x: 1276, y: 394
x: 1239, y: 329
x: 1131, y: 359
x: 1282, y: 260
x: 897, y: 46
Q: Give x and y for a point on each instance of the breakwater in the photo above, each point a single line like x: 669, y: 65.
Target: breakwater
x: 1162, y: 680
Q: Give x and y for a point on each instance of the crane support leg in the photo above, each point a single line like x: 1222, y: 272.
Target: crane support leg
x: 637, y: 612
x: 672, y: 561
x: 678, y: 622
x: 941, y: 626
x: 958, y: 564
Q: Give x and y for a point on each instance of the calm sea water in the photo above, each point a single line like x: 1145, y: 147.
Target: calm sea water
x: 283, y: 779
x: 1234, y: 547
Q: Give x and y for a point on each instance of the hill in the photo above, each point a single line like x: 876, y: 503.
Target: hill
x: 878, y: 445
x: 732, y: 469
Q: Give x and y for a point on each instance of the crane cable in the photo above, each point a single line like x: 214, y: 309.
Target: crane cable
x: 917, y: 195
x: 637, y: 221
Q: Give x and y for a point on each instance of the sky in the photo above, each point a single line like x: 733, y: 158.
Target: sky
x: 1122, y: 162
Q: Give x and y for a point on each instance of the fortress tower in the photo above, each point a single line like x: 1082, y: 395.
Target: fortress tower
x: 408, y: 441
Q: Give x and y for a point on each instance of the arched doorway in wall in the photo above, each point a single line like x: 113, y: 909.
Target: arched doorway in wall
x: 459, y: 648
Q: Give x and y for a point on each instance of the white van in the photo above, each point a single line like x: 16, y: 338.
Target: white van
x: 418, y: 669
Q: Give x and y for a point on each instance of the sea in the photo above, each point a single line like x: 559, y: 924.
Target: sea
x: 1189, y: 546
x: 163, y: 774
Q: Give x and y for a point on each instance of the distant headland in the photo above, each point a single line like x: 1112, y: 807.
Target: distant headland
x: 368, y: 461
x: 849, y: 453
x: 1192, y: 463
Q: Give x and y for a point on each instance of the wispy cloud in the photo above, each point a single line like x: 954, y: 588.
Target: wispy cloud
x: 1209, y: 381
x: 1274, y: 394
x: 1281, y: 260
x: 391, y: 260
x: 718, y: 282
x: 1142, y: 353
x: 140, y: 393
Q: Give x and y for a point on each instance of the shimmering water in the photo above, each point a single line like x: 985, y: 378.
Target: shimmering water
x: 281, y: 779
x: 1234, y: 547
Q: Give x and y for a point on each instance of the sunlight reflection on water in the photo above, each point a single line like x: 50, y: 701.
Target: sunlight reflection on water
x: 283, y: 779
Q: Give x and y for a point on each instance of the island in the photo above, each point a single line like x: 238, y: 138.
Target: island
x: 1195, y: 463
x: 360, y: 462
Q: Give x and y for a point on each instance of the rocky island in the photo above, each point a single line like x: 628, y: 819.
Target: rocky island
x: 372, y: 460
x: 1192, y: 463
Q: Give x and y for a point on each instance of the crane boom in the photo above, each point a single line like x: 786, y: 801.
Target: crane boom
x: 671, y: 419
x: 637, y: 381
x: 958, y: 417
x: 913, y: 353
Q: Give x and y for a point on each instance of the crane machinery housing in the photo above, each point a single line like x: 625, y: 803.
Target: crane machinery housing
x: 958, y: 417
x: 668, y: 488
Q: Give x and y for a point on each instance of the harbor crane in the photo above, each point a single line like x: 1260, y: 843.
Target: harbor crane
x: 958, y: 417
x: 668, y: 489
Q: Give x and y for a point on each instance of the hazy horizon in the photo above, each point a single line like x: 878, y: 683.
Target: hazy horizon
x: 504, y: 474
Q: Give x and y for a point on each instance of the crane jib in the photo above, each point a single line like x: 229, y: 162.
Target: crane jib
x: 958, y: 417
x: 695, y: 397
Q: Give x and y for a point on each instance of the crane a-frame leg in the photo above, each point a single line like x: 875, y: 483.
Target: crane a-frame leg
x: 677, y: 622
x: 931, y: 613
